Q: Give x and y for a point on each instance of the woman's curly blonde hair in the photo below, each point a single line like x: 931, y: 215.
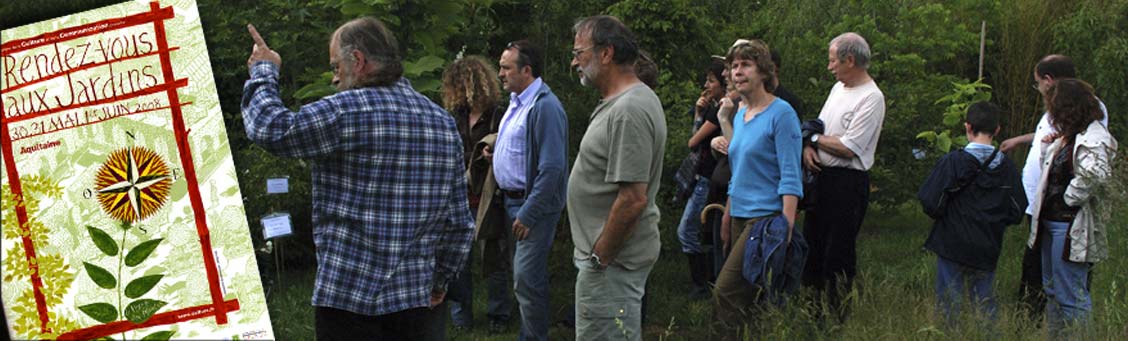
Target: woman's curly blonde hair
x: 470, y: 83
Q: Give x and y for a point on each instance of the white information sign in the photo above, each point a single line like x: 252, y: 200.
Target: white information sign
x: 276, y: 225
x: 277, y: 185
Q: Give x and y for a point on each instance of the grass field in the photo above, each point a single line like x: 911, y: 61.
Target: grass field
x: 893, y: 298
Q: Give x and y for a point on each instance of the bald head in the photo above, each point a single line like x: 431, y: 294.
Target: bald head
x: 1056, y: 66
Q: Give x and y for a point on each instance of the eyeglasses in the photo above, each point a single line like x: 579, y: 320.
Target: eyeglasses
x: 577, y: 52
x: 1035, y: 86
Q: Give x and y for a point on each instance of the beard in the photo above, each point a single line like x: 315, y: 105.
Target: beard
x: 346, y: 82
x: 588, y: 73
x: 348, y: 79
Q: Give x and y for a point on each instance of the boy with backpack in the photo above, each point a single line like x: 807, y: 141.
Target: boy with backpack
x: 972, y: 194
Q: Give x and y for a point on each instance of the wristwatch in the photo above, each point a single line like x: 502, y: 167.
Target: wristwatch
x: 595, y: 261
x: 815, y: 140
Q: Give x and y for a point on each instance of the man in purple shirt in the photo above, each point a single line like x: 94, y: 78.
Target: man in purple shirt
x: 529, y: 165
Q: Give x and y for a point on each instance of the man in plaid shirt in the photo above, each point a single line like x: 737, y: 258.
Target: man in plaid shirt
x: 390, y: 215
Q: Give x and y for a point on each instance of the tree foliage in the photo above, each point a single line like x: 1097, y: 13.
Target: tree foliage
x: 921, y: 48
x: 962, y: 96
x: 1095, y: 35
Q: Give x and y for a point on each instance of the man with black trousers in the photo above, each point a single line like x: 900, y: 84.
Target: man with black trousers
x: 842, y: 156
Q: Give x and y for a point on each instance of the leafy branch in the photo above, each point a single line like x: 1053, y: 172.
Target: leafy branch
x: 52, y: 268
x: 140, y: 309
x: 963, y: 95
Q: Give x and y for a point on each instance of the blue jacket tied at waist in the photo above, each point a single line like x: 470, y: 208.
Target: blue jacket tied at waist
x: 772, y: 265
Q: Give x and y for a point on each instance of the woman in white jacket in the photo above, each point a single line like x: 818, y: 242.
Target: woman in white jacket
x: 1066, y: 207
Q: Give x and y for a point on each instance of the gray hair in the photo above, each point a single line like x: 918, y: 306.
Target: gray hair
x: 606, y: 30
x: 369, y: 36
x: 852, y: 44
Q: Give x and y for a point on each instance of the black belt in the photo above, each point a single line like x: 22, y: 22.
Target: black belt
x: 513, y: 194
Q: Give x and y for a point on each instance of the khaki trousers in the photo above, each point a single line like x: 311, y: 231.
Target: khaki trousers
x: 733, y: 296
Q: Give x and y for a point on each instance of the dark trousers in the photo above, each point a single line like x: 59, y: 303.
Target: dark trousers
x: 412, y: 324
x: 831, y: 229
x: 1030, y: 284
x: 497, y: 267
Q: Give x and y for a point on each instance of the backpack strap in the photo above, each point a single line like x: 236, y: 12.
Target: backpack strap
x: 988, y: 161
x: 960, y: 186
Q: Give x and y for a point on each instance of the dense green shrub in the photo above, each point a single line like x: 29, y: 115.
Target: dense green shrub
x: 920, y: 48
x: 1095, y: 37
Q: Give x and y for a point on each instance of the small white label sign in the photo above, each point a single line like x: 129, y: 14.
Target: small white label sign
x: 276, y: 225
x: 277, y: 185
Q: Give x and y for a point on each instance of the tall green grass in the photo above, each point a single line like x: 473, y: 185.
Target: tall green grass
x: 893, y: 297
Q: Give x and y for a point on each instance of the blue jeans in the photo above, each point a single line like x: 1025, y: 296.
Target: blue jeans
x: 1065, y: 282
x: 689, y: 229
x: 530, y: 271
x: 954, y: 279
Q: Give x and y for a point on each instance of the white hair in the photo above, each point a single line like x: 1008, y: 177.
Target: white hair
x: 852, y: 44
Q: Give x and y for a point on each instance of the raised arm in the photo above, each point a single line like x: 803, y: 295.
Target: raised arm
x: 312, y: 131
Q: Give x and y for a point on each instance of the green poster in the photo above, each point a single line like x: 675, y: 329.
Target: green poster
x: 122, y: 216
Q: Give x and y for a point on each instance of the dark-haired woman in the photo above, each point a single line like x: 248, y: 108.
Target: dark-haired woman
x: 690, y: 228
x: 1066, y: 211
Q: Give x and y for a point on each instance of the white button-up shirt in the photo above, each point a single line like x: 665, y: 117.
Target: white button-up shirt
x: 510, y: 150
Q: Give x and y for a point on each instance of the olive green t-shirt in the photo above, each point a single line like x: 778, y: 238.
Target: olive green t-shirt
x: 624, y: 143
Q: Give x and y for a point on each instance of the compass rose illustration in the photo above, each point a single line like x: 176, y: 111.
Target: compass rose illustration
x: 133, y: 184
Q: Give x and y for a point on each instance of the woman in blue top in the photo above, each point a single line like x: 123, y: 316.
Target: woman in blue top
x: 764, y: 154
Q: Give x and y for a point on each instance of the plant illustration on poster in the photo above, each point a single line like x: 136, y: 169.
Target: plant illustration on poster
x: 122, y: 216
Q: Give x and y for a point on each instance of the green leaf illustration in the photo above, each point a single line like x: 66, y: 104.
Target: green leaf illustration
x: 101, y: 312
x: 141, y: 252
x: 103, y: 241
x: 100, y: 276
x: 158, y: 336
x: 141, y: 310
x: 142, y: 285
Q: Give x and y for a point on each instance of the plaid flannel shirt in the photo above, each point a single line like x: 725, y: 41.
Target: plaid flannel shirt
x: 390, y: 215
